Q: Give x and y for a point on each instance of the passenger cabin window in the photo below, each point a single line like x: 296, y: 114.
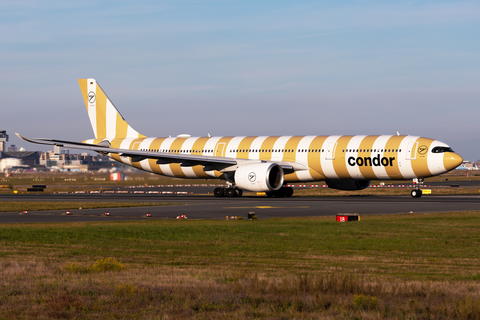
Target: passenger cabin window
x: 441, y: 149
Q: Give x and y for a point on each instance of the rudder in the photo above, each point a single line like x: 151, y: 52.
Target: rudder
x: 106, y: 121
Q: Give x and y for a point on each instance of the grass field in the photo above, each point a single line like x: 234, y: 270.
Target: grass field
x: 383, y: 267
x: 13, y: 206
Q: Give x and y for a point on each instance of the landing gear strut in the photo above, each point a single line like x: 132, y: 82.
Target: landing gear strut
x: 230, y: 191
x: 417, y: 192
x: 227, y: 192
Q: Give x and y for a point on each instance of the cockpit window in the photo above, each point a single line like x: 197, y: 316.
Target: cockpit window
x: 441, y: 149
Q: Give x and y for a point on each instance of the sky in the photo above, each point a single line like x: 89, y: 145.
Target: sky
x: 244, y: 68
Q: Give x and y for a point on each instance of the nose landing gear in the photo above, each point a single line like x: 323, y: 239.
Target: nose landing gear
x: 417, y: 192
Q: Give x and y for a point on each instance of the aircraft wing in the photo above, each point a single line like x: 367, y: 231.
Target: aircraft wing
x: 222, y: 164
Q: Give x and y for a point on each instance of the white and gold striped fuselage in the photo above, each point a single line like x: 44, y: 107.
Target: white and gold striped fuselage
x: 323, y: 157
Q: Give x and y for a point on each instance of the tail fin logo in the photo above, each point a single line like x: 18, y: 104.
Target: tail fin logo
x: 91, y: 97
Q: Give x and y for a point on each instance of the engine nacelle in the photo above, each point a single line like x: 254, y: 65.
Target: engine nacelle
x: 259, y: 177
x: 348, y: 184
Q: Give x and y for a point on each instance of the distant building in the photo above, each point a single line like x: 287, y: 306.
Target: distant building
x: 64, y: 161
x: 58, y: 159
x: 27, y: 158
x: 3, y: 140
x: 467, y: 165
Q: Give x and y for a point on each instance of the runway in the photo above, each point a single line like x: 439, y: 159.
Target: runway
x: 209, y: 207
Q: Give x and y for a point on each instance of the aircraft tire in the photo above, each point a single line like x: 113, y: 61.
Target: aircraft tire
x: 288, y: 192
x: 416, y: 193
x: 230, y: 192
x: 219, y: 192
x: 239, y: 192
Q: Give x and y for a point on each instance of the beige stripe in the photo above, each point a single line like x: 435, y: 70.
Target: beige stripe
x: 101, y: 113
x: 83, y: 88
x: 291, y: 144
x: 197, y: 148
x: 393, y: 144
x: 115, y: 144
x: 340, y: 162
x: 225, y: 141
x: 314, y: 161
x: 420, y: 164
x: 121, y: 127
x: 175, y: 147
x: 244, y: 147
x: 155, y: 145
x: 134, y: 146
x: 267, y: 146
x: 367, y: 144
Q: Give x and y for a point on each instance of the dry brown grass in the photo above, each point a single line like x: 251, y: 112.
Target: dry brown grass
x: 45, y: 290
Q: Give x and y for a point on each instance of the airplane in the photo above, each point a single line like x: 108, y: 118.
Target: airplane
x: 262, y: 163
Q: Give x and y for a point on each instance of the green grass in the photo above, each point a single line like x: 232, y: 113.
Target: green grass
x: 451, y: 239
x: 395, y: 266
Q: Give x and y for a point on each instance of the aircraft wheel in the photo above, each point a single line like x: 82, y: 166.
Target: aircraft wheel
x: 416, y: 193
x: 230, y: 192
x: 239, y: 192
x: 288, y: 192
x: 269, y: 194
x: 281, y: 193
x: 219, y: 192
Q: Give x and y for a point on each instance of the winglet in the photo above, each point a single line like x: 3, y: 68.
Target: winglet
x: 30, y: 140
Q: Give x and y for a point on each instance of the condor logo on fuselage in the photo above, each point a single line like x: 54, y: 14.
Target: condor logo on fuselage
x: 371, y: 161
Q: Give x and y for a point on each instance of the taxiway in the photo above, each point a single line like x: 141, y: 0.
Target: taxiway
x: 208, y: 207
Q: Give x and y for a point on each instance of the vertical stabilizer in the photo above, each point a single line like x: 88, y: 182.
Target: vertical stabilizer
x: 106, y: 121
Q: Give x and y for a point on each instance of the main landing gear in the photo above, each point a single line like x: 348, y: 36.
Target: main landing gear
x: 283, y: 192
x: 227, y: 192
x: 230, y: 191
x: 417, y: 192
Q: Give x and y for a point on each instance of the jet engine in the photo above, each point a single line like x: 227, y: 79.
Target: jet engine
x: 259, y: 177
x: 348, y: 184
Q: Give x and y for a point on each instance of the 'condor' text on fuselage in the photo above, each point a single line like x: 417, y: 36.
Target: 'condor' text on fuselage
x: 371, y: 161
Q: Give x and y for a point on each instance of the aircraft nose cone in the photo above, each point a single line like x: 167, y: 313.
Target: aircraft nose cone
x: 451, y: 160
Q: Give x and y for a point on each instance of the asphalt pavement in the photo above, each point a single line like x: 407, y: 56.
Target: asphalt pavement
x: 209, y: 207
